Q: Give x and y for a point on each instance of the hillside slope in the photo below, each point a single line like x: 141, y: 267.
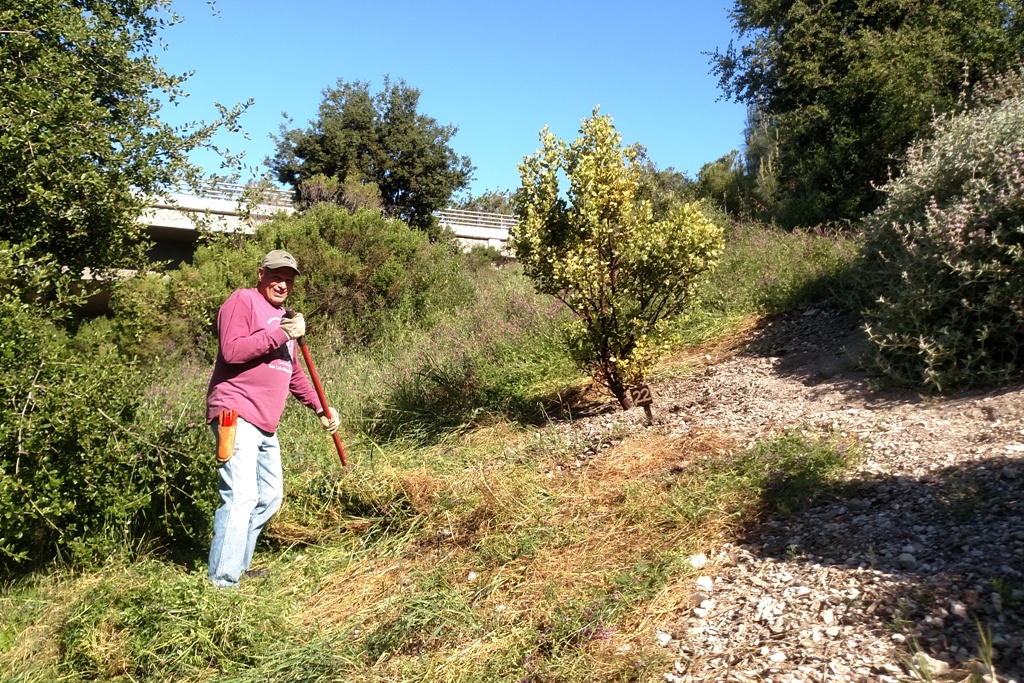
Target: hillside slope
x: 920, y: 545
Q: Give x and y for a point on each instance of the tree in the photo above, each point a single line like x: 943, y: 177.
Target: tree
x: 665, y: 189
x: 599, y: 250
x: 760, y: 155
x: 491, y: 201
x: 81, y: 147
x: 722, y: 181
x: 849, y: 84
x: 382, y: 139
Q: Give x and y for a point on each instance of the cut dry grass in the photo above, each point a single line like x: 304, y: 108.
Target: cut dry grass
x: 541, y: 565
x: 516, y: 565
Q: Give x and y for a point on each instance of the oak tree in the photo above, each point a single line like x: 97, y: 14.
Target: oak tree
x: 847, y: 85
x: 381, y: 139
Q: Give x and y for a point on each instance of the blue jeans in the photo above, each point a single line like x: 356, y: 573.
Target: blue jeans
x: 251, y: 487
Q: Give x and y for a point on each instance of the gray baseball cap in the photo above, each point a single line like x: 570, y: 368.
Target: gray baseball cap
x: 279, y: 258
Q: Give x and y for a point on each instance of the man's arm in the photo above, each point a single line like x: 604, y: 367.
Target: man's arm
x: 241, y: 338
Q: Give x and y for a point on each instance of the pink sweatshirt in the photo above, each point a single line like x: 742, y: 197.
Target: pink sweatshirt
x: 256, y: 364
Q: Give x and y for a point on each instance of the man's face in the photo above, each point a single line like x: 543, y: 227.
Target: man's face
x: 275, y: 284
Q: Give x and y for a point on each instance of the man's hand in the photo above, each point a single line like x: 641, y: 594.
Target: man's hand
x: 330, y: 423
x: 294, y: 326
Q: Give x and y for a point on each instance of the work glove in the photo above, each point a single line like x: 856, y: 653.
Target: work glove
x: 294, y: 326
x: 330, y: 423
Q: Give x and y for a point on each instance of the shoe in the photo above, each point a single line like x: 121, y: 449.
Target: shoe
x: 256, y: 573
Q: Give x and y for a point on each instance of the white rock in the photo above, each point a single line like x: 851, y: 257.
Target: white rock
x: 471, y: 577
x: 663, y: 638
x: 698, y: 561
x: 778, y: 657
x: 705, y: 583
x: 928, y: 666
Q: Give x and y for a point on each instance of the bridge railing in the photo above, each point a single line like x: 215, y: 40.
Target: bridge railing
x: 477, y: 219
x: 222, y: 201
x: 235, y: 191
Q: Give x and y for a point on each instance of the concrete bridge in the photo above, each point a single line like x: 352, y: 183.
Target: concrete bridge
x: 174, y: 222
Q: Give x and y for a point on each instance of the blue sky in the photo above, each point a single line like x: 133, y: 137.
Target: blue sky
x: 498, y: 71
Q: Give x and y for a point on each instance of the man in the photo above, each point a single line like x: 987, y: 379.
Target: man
x: 255, y: 371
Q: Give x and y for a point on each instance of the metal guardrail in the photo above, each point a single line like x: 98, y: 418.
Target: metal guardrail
x: 235, y: 191
x: 276, y: 197
x: 476, y: 219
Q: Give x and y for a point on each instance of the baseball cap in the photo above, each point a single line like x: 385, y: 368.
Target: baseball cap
x: 279, y: 258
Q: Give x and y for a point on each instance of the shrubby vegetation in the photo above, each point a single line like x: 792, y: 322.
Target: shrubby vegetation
x: 946, y: 251
x: 86, y: 464
x: 600, y: 251
x: 75, y: 169
x: 360, y: 271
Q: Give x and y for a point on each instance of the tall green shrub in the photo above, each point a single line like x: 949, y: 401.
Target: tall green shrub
x: 601, y: 252
x: 84, y: 469
x: 947, y: 251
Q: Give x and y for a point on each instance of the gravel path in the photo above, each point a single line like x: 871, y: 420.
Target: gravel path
x: 901, y: 567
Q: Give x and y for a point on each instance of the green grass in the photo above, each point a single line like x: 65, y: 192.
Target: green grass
x: 766, y: 271
x: 510, y: 569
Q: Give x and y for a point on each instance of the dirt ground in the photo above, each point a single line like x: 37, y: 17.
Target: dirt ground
x: 914, y: 563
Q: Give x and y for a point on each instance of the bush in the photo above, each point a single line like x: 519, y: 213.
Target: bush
x: 599, y: 250
x: 82, y: 472
x: 357, y: 272
x: 947, y: 252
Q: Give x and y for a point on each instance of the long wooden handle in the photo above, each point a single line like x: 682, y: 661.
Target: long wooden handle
x: 323, y: 398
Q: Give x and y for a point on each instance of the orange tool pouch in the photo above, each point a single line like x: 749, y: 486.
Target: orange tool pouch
x: 226, y: 435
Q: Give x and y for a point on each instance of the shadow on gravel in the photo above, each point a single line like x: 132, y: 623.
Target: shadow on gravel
x: 941, y: 556
x: 817, y: 345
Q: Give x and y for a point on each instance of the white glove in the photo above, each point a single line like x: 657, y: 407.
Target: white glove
x: 330, y: 423
x: 294, y: 326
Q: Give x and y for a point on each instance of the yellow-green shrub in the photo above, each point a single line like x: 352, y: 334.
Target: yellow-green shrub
x: 600, y: 251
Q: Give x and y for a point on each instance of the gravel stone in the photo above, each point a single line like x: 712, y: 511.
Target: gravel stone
x: 922, y: 542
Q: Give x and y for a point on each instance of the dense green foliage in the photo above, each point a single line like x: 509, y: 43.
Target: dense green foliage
x: 490, y: 201
x: 80, y: 143
x: 359, y: 271
x: 723, y: 183
x: 85, y: 463
x: 845, y: 86
x: 666, y: 190
x: 601, y: 252
x: 946, y: 251
x: 359, y: 138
